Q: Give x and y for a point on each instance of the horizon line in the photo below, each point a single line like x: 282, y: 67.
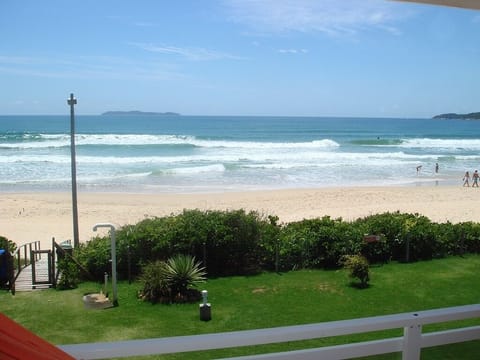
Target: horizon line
x: 233, y: 115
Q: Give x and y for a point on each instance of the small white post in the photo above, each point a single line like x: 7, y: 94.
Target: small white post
x: 205, y: 308
x: 105, y: 282
x: 205, y: 297
x: 412, y: 341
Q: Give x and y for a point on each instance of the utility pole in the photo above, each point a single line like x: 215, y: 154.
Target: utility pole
x: 72, y: 102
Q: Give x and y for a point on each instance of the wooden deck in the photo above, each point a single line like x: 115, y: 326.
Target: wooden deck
x: 24, y: 281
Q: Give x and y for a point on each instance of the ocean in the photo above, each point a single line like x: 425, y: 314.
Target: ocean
x: 191, y: 154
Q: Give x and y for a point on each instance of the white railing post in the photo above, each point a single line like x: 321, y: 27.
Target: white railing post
x: 412, y: 342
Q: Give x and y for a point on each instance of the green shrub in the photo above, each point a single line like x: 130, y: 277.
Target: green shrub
x: 376, y: 251
x: 227, y: 242
x: 316, y: 243
x: 390, y: 227
x: 7, y: 245
x: 155, y: 286
x: 468, y: 238
x: 406, y: 237
x: 269, y: 247
x: 236, y: 242
x: 419, y: 239
x: 95, y: 256
x: 358, y: 268
x: 69, y: 274
x: 232, y: 246
x: 173, y: 280
x: 142, y: 243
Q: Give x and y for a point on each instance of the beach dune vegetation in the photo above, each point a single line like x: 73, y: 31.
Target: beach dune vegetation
x: 236, y: 242
x: 225, y: 242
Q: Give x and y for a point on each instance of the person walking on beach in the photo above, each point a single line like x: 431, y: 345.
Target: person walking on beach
x: 466, y: 179
x: 436, y: 168
x: 475, y: 179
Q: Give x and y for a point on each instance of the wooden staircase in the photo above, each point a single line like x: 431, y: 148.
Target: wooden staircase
x: 34, y: 268
x: 40, y: 270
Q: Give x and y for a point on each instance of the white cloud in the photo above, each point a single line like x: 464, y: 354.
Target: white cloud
x: 144, y: 24
x: 196, y: 54
x: 333, y: 17
x: 292, y: 51
x: 86, y: 67
x: 20, y: 60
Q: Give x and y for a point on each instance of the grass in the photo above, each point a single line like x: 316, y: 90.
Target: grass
x: 266, y: 300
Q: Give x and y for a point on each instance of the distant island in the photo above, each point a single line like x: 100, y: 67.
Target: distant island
x: 471, y: 116
x: 135, y: 112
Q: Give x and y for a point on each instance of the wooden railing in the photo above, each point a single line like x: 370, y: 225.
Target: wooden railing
x: 62, y: 252
x: 22, y: 256
x: 410, y: 344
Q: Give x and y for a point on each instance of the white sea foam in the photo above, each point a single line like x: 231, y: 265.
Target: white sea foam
x: 316, y: 144
x: 223, y: 154
x: 63, y: 140
x: 245, y: 156
x: 197, y: 169
x: 450, y: 144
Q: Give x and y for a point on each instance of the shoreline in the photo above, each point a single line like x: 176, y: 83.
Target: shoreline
x: 27, y: 217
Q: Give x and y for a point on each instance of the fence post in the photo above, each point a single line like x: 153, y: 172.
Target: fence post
x: 52, y: 270
x: 412, y: 339
x: 34, y: 272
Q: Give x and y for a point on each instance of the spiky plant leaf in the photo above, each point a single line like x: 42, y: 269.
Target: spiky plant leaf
x: 182, y: 272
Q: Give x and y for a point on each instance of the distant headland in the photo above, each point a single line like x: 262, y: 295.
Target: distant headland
x: 136, y: 112
x: 471, y: 116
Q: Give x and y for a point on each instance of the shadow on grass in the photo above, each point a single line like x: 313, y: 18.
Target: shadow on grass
x: 360, y: 286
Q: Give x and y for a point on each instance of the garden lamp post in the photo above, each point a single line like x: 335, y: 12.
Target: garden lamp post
x: 114, y: 258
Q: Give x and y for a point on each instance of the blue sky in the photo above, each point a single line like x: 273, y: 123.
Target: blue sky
x: 239, y: 57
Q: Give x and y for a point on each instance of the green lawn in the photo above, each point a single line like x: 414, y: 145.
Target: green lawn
x: 266, y: 300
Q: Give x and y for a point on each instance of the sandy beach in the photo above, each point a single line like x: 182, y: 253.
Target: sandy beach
x: 27, y: 217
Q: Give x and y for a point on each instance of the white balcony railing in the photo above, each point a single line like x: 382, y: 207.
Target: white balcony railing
x: 410, y: 344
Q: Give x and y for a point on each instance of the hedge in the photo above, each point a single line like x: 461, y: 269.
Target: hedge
x: 237, y: 242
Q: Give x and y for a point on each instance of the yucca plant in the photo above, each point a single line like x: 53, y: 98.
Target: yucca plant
x: 173, y: 280
x: 182, y: 273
